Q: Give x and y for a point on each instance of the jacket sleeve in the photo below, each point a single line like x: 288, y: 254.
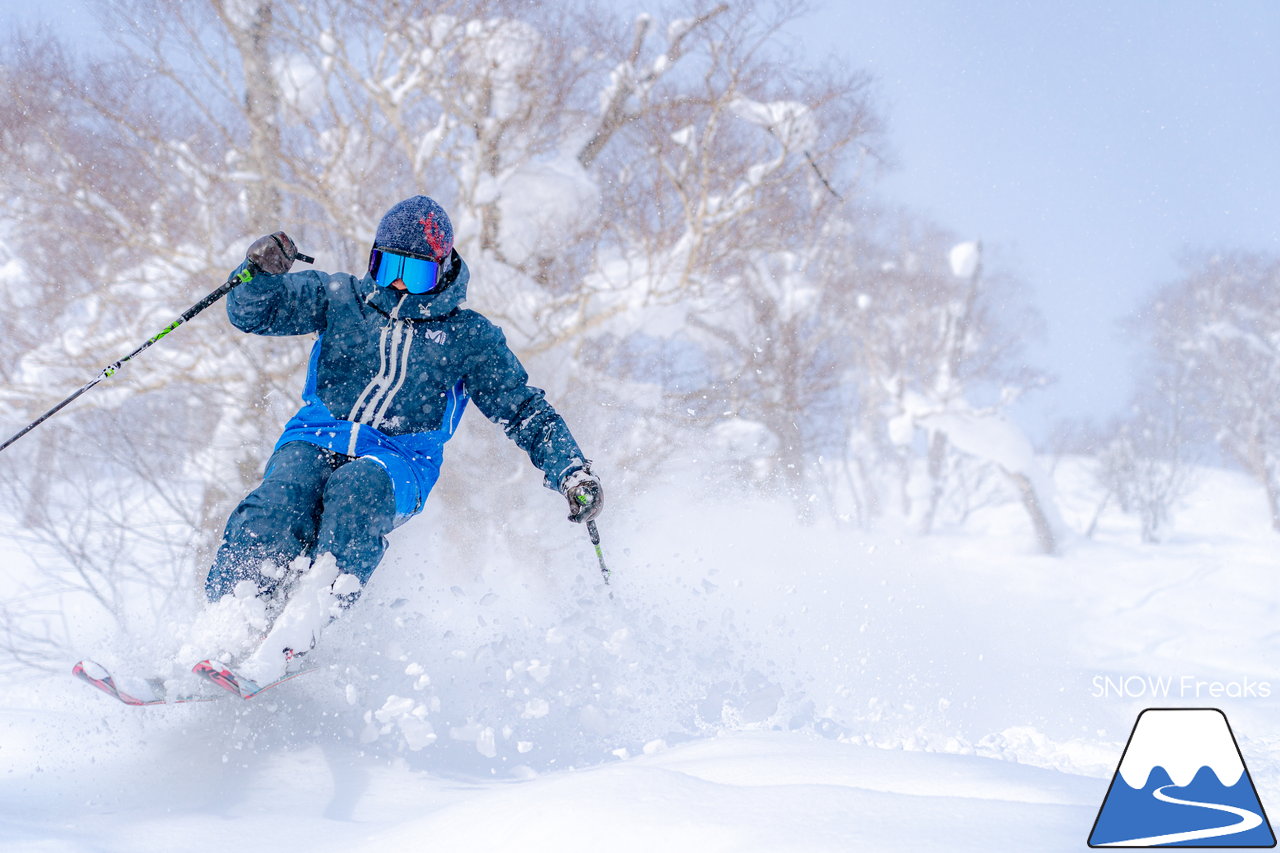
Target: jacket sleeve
x: 289, y: 304
x: 499, y: 385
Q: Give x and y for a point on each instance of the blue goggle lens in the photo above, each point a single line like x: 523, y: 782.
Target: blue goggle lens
x: 418, y: 274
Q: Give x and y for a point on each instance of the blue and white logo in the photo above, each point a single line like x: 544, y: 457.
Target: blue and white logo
x: 1182, y: 783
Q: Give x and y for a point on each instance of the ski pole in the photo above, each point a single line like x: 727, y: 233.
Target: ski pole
x: 595, y: 540
x: 236, y: 280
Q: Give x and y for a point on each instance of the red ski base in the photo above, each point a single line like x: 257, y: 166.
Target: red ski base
x: 231, y: 681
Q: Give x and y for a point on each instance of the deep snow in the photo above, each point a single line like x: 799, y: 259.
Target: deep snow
x: 752, y: 685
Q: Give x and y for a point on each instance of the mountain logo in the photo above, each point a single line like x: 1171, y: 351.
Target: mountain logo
x: 1182, y: 782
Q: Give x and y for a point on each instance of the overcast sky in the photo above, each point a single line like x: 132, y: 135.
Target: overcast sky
x: 1088, y: 144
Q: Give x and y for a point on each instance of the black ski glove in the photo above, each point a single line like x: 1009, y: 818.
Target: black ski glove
x: 273, y: 254
x: 585, y: 494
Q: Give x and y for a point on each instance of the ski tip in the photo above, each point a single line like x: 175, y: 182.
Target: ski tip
x: 225, y: 678
x: 237, y: 683
x: 212, y: 670
x: 96, y: 675
x: 89, y: 669
x: 150, y: 691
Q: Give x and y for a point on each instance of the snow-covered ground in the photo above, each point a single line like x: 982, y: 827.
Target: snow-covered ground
x: 750, y: 685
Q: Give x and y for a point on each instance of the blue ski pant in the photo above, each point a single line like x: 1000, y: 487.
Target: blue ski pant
x: 312, y: 501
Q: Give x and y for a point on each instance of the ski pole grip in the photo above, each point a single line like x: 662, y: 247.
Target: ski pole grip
x: 306, y: 259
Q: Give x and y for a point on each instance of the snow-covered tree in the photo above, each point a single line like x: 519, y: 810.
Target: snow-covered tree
x: 935, y: 354
x: 1147, y: 461
x: 1219, y: 327
x: 608, y: 178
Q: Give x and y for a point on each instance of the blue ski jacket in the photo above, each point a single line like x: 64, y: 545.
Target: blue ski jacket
x: 392, y: 371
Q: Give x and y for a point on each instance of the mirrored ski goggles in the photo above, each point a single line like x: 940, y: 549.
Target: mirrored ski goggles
x: 420, y: 275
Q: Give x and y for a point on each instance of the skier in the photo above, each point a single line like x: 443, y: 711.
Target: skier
x: 396, y: 360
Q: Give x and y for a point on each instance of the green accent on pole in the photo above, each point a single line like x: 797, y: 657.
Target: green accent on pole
x: 595, y: 540
x: 241, y: 277
x: 175, y: 324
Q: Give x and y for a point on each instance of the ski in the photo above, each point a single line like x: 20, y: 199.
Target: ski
x: 236, y: 683
x: 137, y: 692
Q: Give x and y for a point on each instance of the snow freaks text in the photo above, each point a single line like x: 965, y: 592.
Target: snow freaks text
x: 1177, y: 687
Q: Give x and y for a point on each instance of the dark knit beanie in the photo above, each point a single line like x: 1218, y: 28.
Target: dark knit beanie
x: 416, y: 226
